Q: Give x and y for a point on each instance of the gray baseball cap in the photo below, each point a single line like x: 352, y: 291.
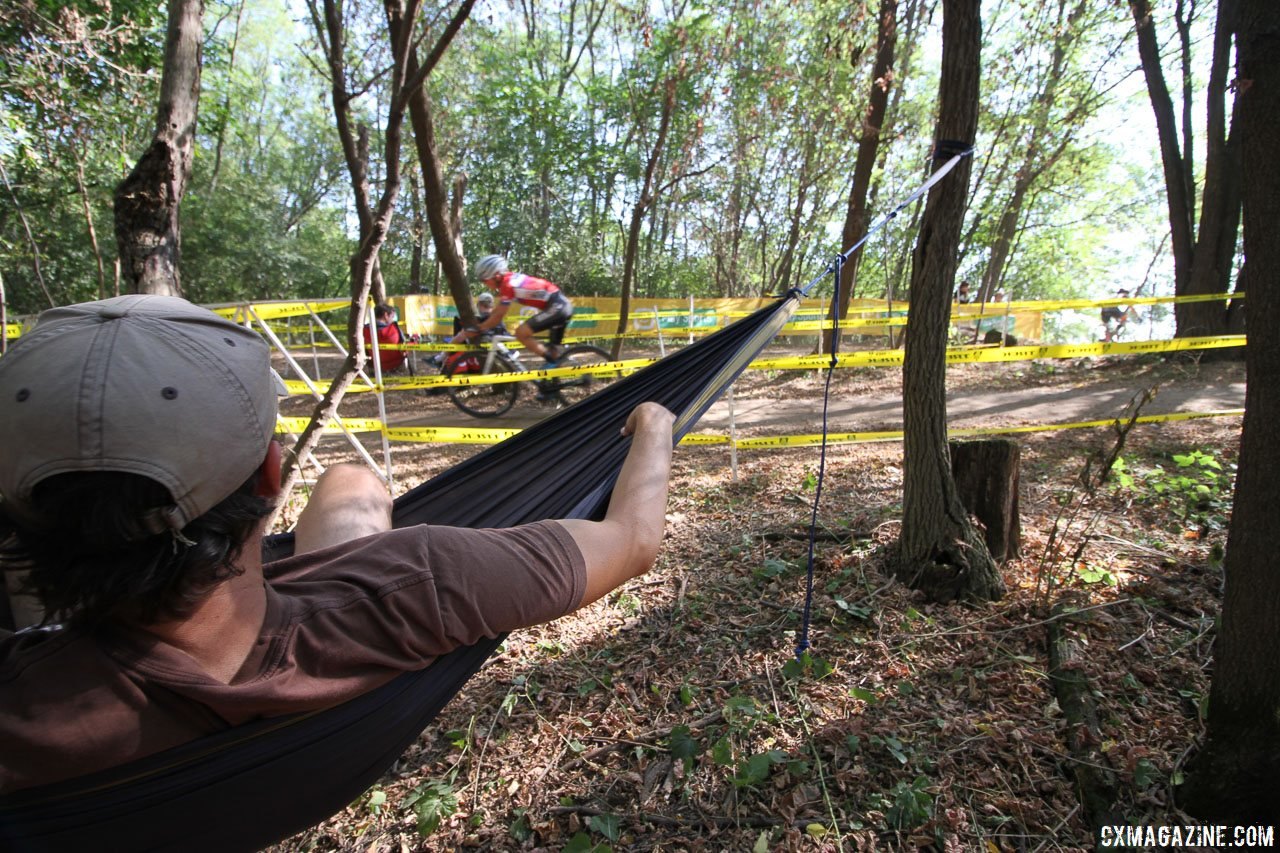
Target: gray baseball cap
x: 149, y: 385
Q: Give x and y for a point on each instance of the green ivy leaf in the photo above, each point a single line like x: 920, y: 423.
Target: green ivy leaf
x: 682, y: 746
x: 607, y: 825
x: 432, y: 802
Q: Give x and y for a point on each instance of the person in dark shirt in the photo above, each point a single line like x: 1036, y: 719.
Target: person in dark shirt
x: 137, y: 471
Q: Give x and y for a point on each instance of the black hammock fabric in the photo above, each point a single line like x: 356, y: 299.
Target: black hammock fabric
x: 255, y: 784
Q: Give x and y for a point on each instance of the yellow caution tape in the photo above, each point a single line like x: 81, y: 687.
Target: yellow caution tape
x: 450, y: 435
x: 468, y: 435
x: 965, y: 355
x: 12, y: 330
x: 296, y: 425
x: 956, y: 432
x: 819, y: 361
x: 276, y: 310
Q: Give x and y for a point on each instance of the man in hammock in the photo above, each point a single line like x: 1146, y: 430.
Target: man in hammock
x: 137, y: 468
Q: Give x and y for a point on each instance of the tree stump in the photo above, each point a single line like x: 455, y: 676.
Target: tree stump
x: 986, y: 478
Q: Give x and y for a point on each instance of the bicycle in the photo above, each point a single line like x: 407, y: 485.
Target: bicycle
x: 492, y: 399
x: 1115, y: 323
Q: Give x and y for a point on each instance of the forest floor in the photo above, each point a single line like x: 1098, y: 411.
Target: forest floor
x: 664, y: 716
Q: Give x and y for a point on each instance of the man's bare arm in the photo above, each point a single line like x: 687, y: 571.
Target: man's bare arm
x: 625, y: 543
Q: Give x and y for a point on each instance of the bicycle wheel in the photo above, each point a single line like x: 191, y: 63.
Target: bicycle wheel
x: 570, y: 389
x: 484, y: 400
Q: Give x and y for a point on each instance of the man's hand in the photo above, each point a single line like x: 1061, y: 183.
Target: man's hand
x: 648, y: 416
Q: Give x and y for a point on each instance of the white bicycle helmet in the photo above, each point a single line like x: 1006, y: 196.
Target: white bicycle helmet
x: 489, y: 266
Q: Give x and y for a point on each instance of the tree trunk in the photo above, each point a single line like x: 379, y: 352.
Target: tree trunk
x: 226, y: 102
x: 940, y: 551
x: 418, y: 229
x: 1201, y: 262
x: 782, y: 278
x: 89, y: 225
x: 1233, y: 778
x: 855, y: 221
x: 436, y: 201
x: 637, y: 216
x: 148, y: 232
x: 374, y: 219
x: 987, y: 480
x: 1036, y: 160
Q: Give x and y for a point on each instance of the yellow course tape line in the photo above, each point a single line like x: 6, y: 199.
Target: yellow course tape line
x: 295, y: 425
x: 468, y: 435
x: 276, y: 310
x: 962, y: 432
x: 450, y: 435
x: 862, y: 358
x: 297, y: 387
x: 966, y: 355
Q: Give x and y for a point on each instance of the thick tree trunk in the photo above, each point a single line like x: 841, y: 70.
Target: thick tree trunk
x: 436, y: 201
x: 855, y: 219
x: 940, y: 551
x: 1233, y: 779
x: 987, y: 481
x: 148, y: 232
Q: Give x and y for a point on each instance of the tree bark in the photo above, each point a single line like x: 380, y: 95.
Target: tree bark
x: 435, y: 195
x: 940, y: 551
x: 1201, y: 261
x: 1233, y: 778
x: 1095, y: 779
x: 148, y: 231
x: 226, y: 102
x: 374, y: 219
x: 855, y: 221
x: 987, y: 480
x: 645, y: 199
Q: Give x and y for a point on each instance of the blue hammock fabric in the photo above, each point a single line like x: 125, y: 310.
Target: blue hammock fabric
x: 255, y: 784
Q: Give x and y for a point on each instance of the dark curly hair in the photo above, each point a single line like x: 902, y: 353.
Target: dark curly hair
x: 89, y: 559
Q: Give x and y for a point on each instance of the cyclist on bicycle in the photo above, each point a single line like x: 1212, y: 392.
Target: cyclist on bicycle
x: 1114, y: 318
x: 554, y: 308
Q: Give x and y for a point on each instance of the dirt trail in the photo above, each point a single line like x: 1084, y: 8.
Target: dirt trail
x: 1015, y: 394
x: 1212, y: 388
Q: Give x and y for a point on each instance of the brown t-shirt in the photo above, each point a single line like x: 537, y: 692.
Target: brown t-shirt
x: 340, y: 621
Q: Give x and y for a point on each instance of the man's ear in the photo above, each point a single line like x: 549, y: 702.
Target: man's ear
x: 269, y: 472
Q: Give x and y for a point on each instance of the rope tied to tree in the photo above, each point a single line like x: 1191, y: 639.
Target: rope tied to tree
x: 955, y: 151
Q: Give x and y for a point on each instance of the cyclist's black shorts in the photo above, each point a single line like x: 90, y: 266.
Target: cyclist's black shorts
x: 555, y: 317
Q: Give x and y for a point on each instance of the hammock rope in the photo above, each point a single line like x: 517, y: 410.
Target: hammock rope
x: 957, y: 152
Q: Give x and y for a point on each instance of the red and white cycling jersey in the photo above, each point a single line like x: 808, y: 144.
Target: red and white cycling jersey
x: 525, y: 289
